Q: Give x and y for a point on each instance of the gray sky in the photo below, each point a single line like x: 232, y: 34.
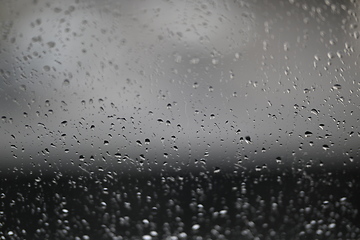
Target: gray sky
x: 218, y: 81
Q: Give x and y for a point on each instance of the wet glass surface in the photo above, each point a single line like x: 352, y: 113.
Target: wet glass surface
x: 179, y: 119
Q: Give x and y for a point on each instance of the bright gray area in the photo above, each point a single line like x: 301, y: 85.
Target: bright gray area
x: 228, y: 84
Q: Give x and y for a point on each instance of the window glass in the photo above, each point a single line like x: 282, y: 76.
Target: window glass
x: 168, y: 119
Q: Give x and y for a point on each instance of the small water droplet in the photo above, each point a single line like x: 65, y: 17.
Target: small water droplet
x: 146, y: 237
x: 337, y: 87
x: 195, y: 227
x: 46, y: 68
x: 330, y: 55
x: 232, y: 74
x: 308, y: 134
x: 22, y: 87
x: 51, y: 44
x: 286, y: 46
x: 356, y: 34
x: 195, y: 61
x: 66, y: 82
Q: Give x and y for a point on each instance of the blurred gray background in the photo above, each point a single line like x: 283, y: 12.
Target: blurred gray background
x: 136, y: 86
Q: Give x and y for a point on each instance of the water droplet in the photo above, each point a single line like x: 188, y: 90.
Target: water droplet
x: 330, y: 55
x: 146, y: 237
x: 195, y: 227
x: 247, y: 139
x: 217, y: 170
x: 308, y: 134
x: 66, y: 82
x: 314, y: 111
x: 195, y: 61
x: 337, y: 87
x: 46, y: 68
x: 356, y: 34
x: 51, y: 44
x: 22, y: 87
x: 286, y: 46
x: 265, y: 45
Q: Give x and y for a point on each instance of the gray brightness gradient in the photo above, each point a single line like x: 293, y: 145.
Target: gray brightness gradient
x: 149, y: 86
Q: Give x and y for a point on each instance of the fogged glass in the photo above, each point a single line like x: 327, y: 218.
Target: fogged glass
x: 215, y: 119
